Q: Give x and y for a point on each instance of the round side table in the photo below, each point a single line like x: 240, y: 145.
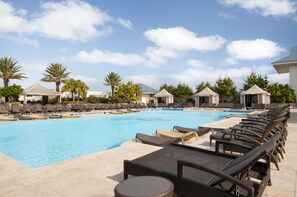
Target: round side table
x: 144, y: 186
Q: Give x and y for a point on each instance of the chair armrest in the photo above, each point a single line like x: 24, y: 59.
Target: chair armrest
x: 221, y: 174
x: 230, y: 143
x: 244, y: 130
x: 247, y: 138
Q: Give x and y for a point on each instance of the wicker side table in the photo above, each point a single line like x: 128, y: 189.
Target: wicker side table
x: 142, y: 186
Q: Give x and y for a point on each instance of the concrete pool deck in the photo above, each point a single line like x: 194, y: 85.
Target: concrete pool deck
x: 97, y: 174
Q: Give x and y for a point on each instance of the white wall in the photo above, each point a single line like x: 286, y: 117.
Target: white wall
x: 145, y: 98
x: 293, y: 78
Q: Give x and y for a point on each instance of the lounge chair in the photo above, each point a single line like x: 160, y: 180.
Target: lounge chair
x: 16, y: 109
x: 199, y: 172
x: 242, y: 139
x: 3, y: 110
x: 174, y: 134
x: 5, y: 118
x: 23, y: 117
x: 27, y: 108
x: 55, y: 116
x: 38, y: 117
x: 155, y: 140
x: 116, y: 112
x: 69, y: 115
x: 200, y: 131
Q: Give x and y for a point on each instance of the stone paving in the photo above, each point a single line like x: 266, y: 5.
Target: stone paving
x: 97, y: 174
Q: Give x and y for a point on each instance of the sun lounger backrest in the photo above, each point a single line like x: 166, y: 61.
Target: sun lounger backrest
x: 244, y: 162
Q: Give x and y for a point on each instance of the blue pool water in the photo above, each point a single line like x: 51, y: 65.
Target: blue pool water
x: 39, y: 143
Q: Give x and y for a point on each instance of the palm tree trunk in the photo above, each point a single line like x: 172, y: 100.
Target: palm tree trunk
x: 58, y: 86
x: 57, y: 89
x: 5, y: 83
x: 72, y: 96
x: 112, y: 90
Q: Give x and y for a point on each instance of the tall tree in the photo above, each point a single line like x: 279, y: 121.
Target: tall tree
x: 254, y: 79
x: 202, y: 86
x: 183, y: 91
x: 225, y: 87
x: 12, y: 91
x: 56, y: 73
x: 281, y: 93
x: 9, y: 70
x: 128, y: 92
x: 169, y: 88
x: 113, y: 80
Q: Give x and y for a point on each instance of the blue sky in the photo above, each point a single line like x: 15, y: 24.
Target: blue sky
x: 148, y: 42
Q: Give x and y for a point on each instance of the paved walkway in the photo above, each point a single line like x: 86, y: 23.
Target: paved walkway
x: 97, y: 174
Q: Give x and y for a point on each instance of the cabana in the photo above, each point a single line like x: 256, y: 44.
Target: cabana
x: 254, y: 95
x: 206, y: 96
x: 38, y: 90
x: 163, y: 97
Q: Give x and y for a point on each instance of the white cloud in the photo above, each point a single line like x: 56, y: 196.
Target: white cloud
x: 100, y: 57
x: 172, y: 42
x: 11, y: 20
x: 231, y: 61
x: 278, y: 78
x: 265, y: 7
x: 125, y: 23
x: 181, y: 39
x: 36, y: 66
x: 159, y: 56
x: 71, y: 20
x: 253, y: 49
x: 196, y: 63
x: 226, y: 15
x: 86, y: 79
x: 21, y: 40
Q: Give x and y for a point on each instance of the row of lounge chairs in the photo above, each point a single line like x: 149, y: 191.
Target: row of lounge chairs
x: 223, y: 172
x: 55, y: 108
x: 241, y: 106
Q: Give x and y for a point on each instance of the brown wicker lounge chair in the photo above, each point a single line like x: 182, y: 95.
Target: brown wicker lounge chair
x: 199, y: 172
x: 155, y: 140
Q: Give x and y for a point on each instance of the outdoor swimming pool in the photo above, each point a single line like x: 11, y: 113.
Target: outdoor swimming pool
x: 39, y: 143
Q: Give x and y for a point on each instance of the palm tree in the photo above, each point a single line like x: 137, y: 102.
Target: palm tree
x: 81, y: 89
x: 75, y: 87
x: 56, y: 73
x: 9, y: 70
x: 70, y: 86
x: 112, y: 79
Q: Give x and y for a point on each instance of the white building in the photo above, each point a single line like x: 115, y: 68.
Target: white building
x: 289, y: 65
x: 147, y: 93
